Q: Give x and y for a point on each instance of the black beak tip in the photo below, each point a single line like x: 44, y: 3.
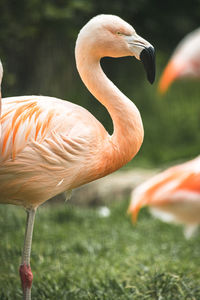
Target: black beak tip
x: 151, y: 78
x: 147, y: 56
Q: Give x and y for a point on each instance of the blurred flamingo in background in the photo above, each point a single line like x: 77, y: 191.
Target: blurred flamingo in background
x: 173, y: 195
x: 185, y: 61
x: 49, y: 145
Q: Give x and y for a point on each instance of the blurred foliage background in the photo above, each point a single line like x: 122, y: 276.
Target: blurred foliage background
x: 37, y: 40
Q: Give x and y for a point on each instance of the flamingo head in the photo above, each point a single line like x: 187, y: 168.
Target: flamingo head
x: 109, y: 35
x: 184, y: 62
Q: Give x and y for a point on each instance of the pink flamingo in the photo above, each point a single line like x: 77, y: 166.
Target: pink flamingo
x: 173, y: 195
x: 185, y: 61
x: 49, y: 145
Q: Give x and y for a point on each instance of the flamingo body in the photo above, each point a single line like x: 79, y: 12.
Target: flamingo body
x: 174, y: 195
x: 48, y: 146
x: 184, y: 62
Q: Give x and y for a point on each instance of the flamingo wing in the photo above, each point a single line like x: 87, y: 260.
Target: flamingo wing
x: 46, y: 143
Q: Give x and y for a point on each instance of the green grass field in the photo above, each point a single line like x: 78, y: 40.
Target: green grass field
x: 77, y: 254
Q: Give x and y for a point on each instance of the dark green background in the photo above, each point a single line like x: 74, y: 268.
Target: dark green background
x: 37, y: 41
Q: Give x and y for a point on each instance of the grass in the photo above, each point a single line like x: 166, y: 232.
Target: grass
x: 77, y: 254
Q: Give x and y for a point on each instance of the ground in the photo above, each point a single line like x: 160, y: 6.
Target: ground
x: 77, y: 254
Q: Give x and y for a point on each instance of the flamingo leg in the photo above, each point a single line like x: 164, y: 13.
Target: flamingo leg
x: 25, y: 268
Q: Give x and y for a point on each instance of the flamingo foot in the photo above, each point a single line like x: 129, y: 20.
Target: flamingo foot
x: 26, y: 276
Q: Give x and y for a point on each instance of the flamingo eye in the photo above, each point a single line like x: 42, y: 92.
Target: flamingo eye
x: 119, y: 33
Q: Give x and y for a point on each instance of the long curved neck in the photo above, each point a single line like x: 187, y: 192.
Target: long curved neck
x: 128, y: 128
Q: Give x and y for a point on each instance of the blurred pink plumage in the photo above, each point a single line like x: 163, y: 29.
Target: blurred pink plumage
x: 173, y: 195
x: 185, y: 61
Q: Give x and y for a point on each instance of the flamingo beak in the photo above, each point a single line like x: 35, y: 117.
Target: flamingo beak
x: 147, y: 56
x: 170, y: 73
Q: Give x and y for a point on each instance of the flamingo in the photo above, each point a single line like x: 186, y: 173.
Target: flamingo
x: 185, y: 61
x: 49, y: 145
x: 173, y: 195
